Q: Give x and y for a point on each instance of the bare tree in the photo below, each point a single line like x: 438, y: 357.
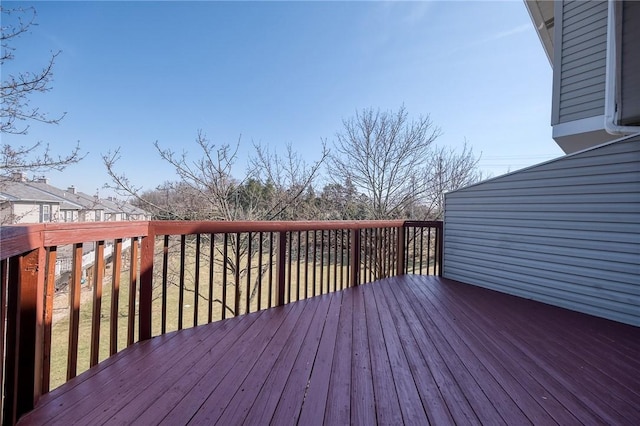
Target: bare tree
x: 274, y: 188
x: 17, y: 89
x: 448, y: 170
x: 379, y: 152
x: 291, y: 177
x: 16, y: 111
x: 35, y: 159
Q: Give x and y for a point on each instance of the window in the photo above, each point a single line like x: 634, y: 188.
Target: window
x: 68, y: 216
x: 45, y: 213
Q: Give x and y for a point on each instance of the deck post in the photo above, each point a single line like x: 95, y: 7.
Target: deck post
x: 146, y: 285
x: 281, y: 267
x: 400, y: 251
x: 355, y: 257
x: 23, y: 362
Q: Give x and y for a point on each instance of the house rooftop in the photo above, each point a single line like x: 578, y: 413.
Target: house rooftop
x: 20, y: 191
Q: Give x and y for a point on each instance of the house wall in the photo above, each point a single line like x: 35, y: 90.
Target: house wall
x: 67, y: 216
x: 579, y: 60
x: 6, y: 215
x: 30, y: 212
x: 91, y: 215
x: 566, y: 232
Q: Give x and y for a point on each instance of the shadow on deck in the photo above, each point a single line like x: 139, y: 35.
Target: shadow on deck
x: 408, y: 349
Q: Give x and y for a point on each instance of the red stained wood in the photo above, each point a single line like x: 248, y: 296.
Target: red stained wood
x: 115, y: 296
x: 169, y: 227
x: 165, y: 274
x: 281, y: 262
x: 98, y: 275
x: 146, y: 286
x: 4, y: 270
x: 93, y: 391
x: 74, y: 314
x: 133, y: 291
x: 363, y: 410
x: 355, y: 257
x: 338, y: 408
x: 224, y: 368
x: 291, y: 368
x: 269, y: 373
x: 408, y: 349
x: 49, y: 291
x: 405, y: 384
x: 150, y: 404
x: 315, y: 395
x: 386, y: 398
x: 23, y: 324
x: 249, y: 372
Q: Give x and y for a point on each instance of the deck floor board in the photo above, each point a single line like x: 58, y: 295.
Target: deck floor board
x: 411, y: 349
x: 502, y: 360
x: 565, y: 356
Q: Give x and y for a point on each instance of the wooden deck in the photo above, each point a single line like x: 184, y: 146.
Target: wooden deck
x: 413, y: 350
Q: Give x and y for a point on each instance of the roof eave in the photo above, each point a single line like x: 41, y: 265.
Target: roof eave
x: 542, y: 16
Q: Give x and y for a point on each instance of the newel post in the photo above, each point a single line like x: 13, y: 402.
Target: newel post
x: 25, y: 333
x: 146, y: 284
x: 400, y: 249
x: 355, y: 257
x: 281, y: 267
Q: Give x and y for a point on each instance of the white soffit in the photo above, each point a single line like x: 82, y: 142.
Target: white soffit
x: 541, y: 13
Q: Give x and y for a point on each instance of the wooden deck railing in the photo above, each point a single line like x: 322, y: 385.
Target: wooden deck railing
x: 130, y: 281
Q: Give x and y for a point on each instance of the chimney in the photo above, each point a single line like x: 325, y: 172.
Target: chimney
x: 71, y: 189
x: 42, y: 179
x: 19, y: 177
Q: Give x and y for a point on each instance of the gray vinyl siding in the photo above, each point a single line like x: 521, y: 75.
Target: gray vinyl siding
x: 566, y: 232
x: 579, y: 76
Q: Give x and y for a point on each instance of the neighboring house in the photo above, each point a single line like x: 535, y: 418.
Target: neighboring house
x: 567, y: 232
x: 23, y: 201
x: 115, y: 211
x: 130, y: 212
x: 20, y: 203
x: 82, y: 209
x: 93, y: 209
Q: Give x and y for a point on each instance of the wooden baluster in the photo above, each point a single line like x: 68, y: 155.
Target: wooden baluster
x: 133, y: 289
x: 248, y: 290
x: 196, y: 290
x: 146, y: 286
x: 280, y: 267
x: 74, y: 315
x: 181, y: 280
x: 50, y: 289
x: 211, y: 275
x: 355, y: 257
x: 165, y: 273
x: 115, y: 295
x: 97, y: 302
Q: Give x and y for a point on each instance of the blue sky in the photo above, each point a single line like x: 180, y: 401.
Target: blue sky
x: 132, y: 73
